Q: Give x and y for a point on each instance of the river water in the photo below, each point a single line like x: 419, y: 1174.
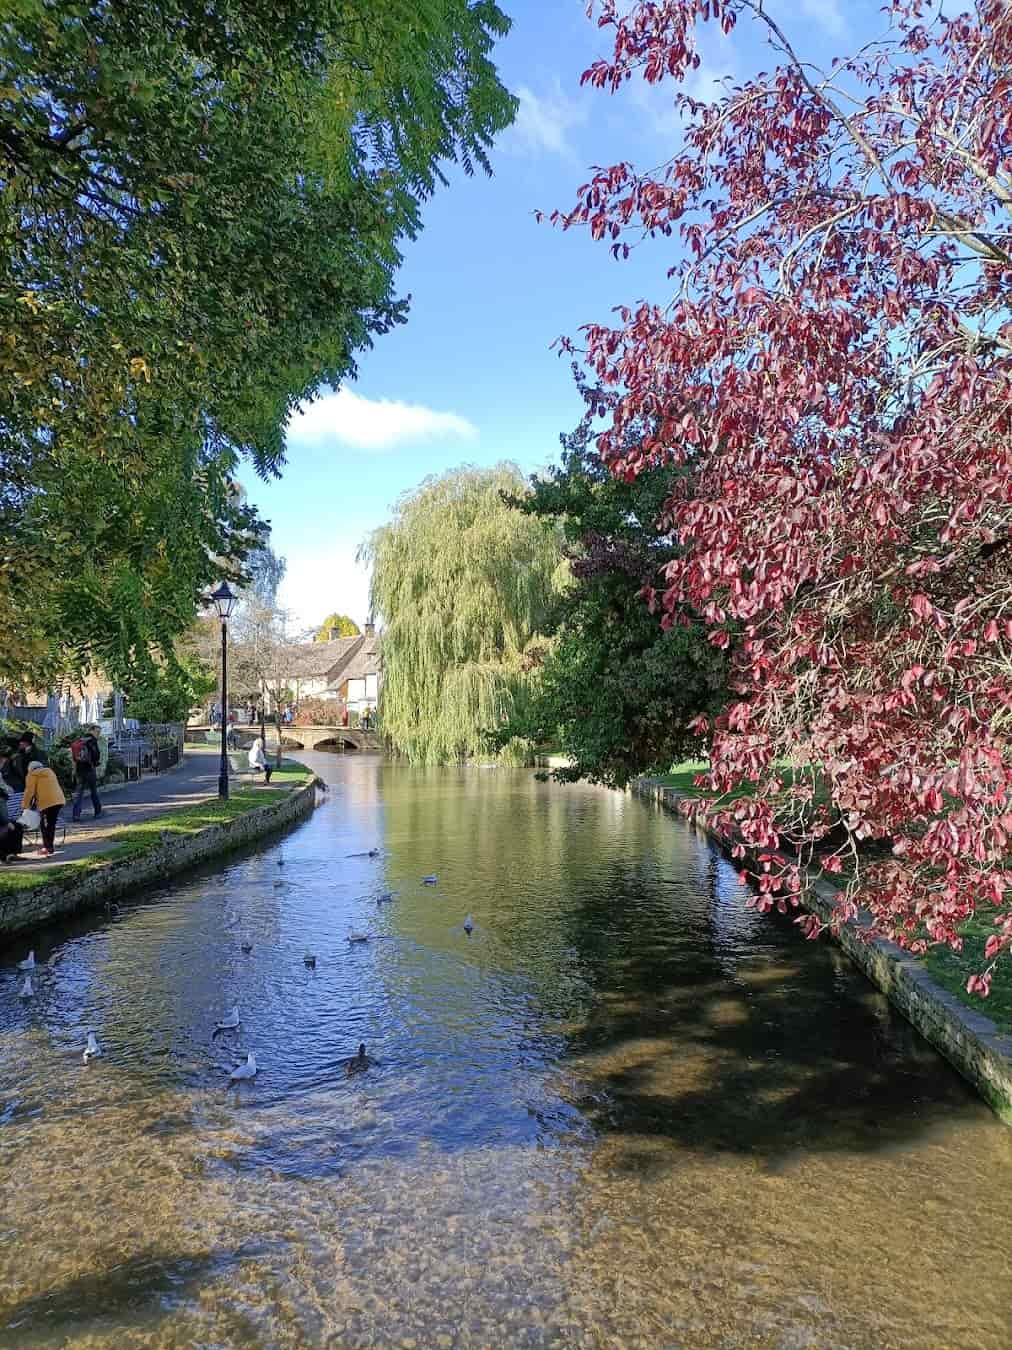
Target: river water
x: 624, y: 1112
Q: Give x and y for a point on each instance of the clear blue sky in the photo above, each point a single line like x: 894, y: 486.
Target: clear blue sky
x: 471, y: 377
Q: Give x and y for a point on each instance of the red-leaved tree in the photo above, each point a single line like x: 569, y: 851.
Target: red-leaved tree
x: 836, y: 364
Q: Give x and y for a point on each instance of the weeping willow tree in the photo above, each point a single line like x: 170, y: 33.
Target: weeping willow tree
x: 464, y: 584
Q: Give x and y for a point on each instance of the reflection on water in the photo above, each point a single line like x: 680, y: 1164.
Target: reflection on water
x: 625, y: 1112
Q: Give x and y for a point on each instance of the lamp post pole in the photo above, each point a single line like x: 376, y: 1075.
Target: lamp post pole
x: 223, y: 600
x: 223, y: 767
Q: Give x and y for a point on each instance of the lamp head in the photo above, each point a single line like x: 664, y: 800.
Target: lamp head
x: 223, y: 599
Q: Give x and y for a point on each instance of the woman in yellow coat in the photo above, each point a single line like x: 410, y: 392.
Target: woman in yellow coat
x: 43, y: 791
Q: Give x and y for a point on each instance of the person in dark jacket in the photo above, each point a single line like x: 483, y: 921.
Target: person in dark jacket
x: 28, y: 752
x: 87, y: 758
x: 11, y: 833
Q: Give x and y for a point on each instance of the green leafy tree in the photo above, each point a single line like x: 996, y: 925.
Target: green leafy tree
x: 336, y: 626
x: 617, y: 690
x: 464, y: 585
x: 202, y: 207
x: 168, y: 691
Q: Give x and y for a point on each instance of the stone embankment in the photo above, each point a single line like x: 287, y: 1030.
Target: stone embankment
x: 969, y: 1040
x: 90, y: 887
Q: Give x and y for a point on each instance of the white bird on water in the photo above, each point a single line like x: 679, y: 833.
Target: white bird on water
x: 247, y: 1070
x: 468, y: 925
x: 229, y: 1023
x: 28, y: 963
x: 92, y: 1050
x: 26, y: 989
x: 358, y: 937
x: 431, y: 880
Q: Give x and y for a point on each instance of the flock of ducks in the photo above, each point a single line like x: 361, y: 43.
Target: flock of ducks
x: 92, y: 1049
x: 357, y: 1063
x: 360, y: 1062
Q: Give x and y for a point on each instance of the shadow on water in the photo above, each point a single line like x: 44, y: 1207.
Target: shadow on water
x: 774, y: 1053
x: 146, y: 1284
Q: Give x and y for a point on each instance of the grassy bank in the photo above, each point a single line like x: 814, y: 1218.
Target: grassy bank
x: 131, y: 841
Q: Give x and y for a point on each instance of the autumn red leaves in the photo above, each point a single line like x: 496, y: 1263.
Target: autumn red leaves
x: 834, y: 365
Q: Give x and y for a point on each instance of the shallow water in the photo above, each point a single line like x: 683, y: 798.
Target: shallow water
x: 625, y: 1112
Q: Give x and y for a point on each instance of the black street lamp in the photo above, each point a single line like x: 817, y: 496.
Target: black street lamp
x: 223, y: 600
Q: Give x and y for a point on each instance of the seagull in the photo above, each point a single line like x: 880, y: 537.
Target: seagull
x: 278, y: 884
x: 247, y: 946
x: 28, y: 963
x: 247, y: 1070
x: 230, y: 1023
x: 26, y: 989
x: 310, y: 962
x: 468, y: 925
x: 358, y: 937
x: 92, y: 1050
x: 358, y: 1063
x: 369, y: 853
x: 430, y: 881
x: 385, y: 898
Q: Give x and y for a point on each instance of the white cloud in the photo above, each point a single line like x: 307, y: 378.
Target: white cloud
x: 828, y: 13
x: 347, y: 418
x: 543, y: 122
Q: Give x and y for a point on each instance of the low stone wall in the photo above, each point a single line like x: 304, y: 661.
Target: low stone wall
x: 93, y: 887
x: 969, y: 1040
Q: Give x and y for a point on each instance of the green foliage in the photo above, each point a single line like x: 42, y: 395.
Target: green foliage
x: 337, y: 626
x: 616, y: 690
x: 464, y: 585
x: 167, y: 691
x: 202, y: 206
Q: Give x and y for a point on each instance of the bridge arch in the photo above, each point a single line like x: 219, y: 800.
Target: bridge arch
x: 337, y: 743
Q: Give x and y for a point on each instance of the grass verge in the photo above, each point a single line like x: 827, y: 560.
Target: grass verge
x: 133, y: 840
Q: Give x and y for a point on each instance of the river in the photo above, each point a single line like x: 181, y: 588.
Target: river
x: 624, y: 1112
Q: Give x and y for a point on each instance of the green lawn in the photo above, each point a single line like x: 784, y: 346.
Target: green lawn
x: 952, y: 970
x: 132, y: 840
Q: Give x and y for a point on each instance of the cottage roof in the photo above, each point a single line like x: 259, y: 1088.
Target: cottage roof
x: 309, y: 659
x: 365, y: 660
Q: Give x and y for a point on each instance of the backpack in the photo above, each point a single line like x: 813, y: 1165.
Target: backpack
x: 80, y: 752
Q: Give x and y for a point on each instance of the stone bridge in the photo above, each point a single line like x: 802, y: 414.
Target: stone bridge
x: 323, y: 738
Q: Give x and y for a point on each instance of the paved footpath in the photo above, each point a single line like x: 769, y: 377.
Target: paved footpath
x: 195, y: 780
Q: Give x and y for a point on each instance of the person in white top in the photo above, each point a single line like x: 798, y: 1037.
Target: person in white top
x: 258, y: 760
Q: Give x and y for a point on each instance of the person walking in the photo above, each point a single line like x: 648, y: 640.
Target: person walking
x: 43, y: 791
x: 258, y: 760
x: 87, y: 757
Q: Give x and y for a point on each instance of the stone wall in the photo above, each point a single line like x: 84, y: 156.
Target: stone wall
x: 969, y: 1040
x: 93, y: 887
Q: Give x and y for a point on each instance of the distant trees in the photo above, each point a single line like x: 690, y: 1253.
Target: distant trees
x: 464, y: 585
x: 835, y: 366
x: 336, y: 626
x: 616, y: 691
x: 202, y: 207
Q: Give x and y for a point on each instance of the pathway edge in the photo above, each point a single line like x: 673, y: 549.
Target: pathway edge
x: 37, y: 905
x: 969, y: 1040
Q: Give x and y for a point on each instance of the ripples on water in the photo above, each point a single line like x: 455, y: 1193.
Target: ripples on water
x: 625, y: 1112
